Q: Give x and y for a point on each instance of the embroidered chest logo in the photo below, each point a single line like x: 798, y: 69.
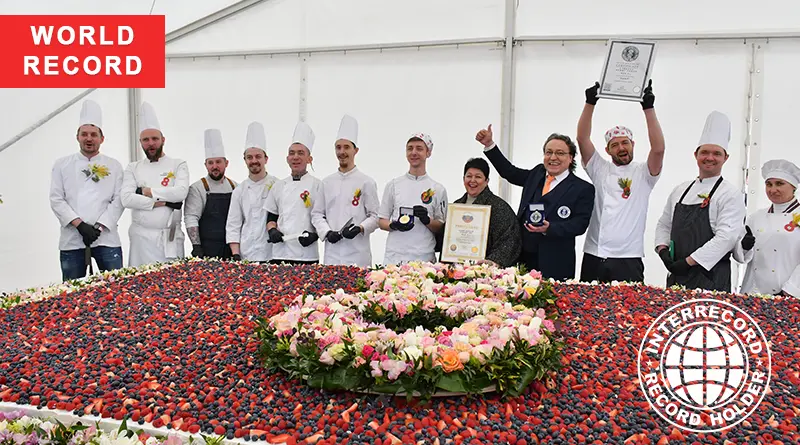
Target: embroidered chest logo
x: 167, y: 177
x: 306, y: 197
x: 356, y: 197
x: 706, y: 200
x: 794, y: 223
x: 625, y: 185
x: 427, y: 196
x: 96, y: 172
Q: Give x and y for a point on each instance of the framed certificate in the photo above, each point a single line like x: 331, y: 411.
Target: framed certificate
x: 466, y: 232
x: 627, y: 69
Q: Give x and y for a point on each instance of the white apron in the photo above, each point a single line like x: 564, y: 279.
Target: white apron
x: 773, y: 264
x: 294, y: 216
x: 150, y: 229
x: 254, y: 245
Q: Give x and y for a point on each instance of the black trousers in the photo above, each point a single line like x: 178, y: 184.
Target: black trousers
x: 606, y: 270
x: 293, y: 262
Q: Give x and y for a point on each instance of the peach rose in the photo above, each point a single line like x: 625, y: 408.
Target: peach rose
x: 449, y: 361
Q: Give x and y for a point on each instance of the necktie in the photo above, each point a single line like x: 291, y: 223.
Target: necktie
x: 547, y: 182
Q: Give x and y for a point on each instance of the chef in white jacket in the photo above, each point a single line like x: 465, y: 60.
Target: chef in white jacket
x: 771, y: 244
x: 289, y: 205
x: 85, y: 197
x: 703, y: 218
x: 413, y: 208
x: 348, y: 214
x: 208, y: 202
x: 154, y: 189
x: 246, y: 230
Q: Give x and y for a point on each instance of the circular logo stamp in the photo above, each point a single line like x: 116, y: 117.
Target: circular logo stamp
x: 536, y: 217
x: 630, y: 53
x: 467, y: 218
x: 564, y: 212
x: 704, y: 365
x: 453, y: 247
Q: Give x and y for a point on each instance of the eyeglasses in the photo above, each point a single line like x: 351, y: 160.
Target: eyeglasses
x: 560, y: 154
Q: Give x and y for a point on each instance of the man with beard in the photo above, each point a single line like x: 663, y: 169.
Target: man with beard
x: 348, y: 214
x: 413, y: 208
x: 208, y: 202
x: 614, y: 245
x: 154, y: 189
x: 85, y: 197
x: 289, y: 205
x: 704, y: 218
x: 246, y: 229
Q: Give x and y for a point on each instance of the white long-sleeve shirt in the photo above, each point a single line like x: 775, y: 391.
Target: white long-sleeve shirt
x: 196, y: 199
x: 347, y: 195
x: 74, y: 194
x: 247, y: 219
x: 726, y: 215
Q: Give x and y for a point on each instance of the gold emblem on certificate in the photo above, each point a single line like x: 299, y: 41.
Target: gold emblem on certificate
x: 626, y: 70
x: 466, y: 232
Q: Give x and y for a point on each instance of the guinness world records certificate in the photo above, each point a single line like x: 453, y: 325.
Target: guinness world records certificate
x: 466, y: 232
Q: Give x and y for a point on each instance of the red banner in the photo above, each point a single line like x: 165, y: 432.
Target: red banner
x: 82, y: 51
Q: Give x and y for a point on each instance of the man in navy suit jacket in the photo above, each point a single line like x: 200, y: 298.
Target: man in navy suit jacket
x: 568, y: 202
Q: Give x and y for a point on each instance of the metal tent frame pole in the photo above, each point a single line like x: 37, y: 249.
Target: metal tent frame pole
x: 507, y: 92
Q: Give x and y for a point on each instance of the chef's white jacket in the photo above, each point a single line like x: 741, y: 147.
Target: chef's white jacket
x: 726, y: 214
x: 150, y: 226
x: 418, y: 243
x: 247, y: 219
x: 347, y: 195
x: 773, y: 264
x: 616, y: 229
x: 73, y: 194
x: 294, y: 216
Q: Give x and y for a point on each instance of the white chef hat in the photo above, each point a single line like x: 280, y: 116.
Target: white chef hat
x: 781, y: 169
x: 303, y: 134
x: 148, y: 120
x: 348, y: 129
x: 618, y: 131
x: 717, y: 130
x: 91, y: 114
x: 425, y: 138
x: 213, y: 143
x: 256, y: 137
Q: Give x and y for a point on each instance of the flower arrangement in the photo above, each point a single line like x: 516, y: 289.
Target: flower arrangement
x: 96, y: 172
x: 793, y: 224
x: 706, y: 199
x: 306, y: 197
x: 167, y: 176
x: 420, y: 328
x: 18, y: 428
x: 356, y: 197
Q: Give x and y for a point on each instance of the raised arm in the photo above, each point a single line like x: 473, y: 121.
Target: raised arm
x: 655, y: 160
x: 584, y: 135
x: 504, y: 167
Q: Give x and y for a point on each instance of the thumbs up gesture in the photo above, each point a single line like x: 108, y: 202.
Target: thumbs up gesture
x: 485, y: 137
x: 749, y: 240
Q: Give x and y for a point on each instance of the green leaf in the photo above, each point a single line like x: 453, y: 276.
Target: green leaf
x: 452, y: 382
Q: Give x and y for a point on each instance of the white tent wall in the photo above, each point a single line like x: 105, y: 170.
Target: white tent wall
x: 449, y: 92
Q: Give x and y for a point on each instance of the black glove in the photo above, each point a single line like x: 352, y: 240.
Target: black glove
x: 333, y: 237
x: 138, y: 190
x: 309, y: 239
x: 174, y: 205
x: 680, y: 267
x: 236, y: 257
x: 749, y: 240
x: 665, y: 258
x: 197, y: 251
x: 275, y: 235
x: 591, y: 94
x: 649, y: 98
x: 396, y: 225
x: 421, y: 213
x: 89, y: 233
x: 351, y: 232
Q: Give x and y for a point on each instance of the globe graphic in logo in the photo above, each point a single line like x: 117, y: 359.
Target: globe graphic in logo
x: 705, y: 365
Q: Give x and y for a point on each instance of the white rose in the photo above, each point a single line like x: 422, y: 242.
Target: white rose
x: 412, y: 352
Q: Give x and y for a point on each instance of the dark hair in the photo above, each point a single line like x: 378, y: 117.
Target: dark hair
x: 78, y: 133
x: 573, y: 150
x: 478, y: 163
